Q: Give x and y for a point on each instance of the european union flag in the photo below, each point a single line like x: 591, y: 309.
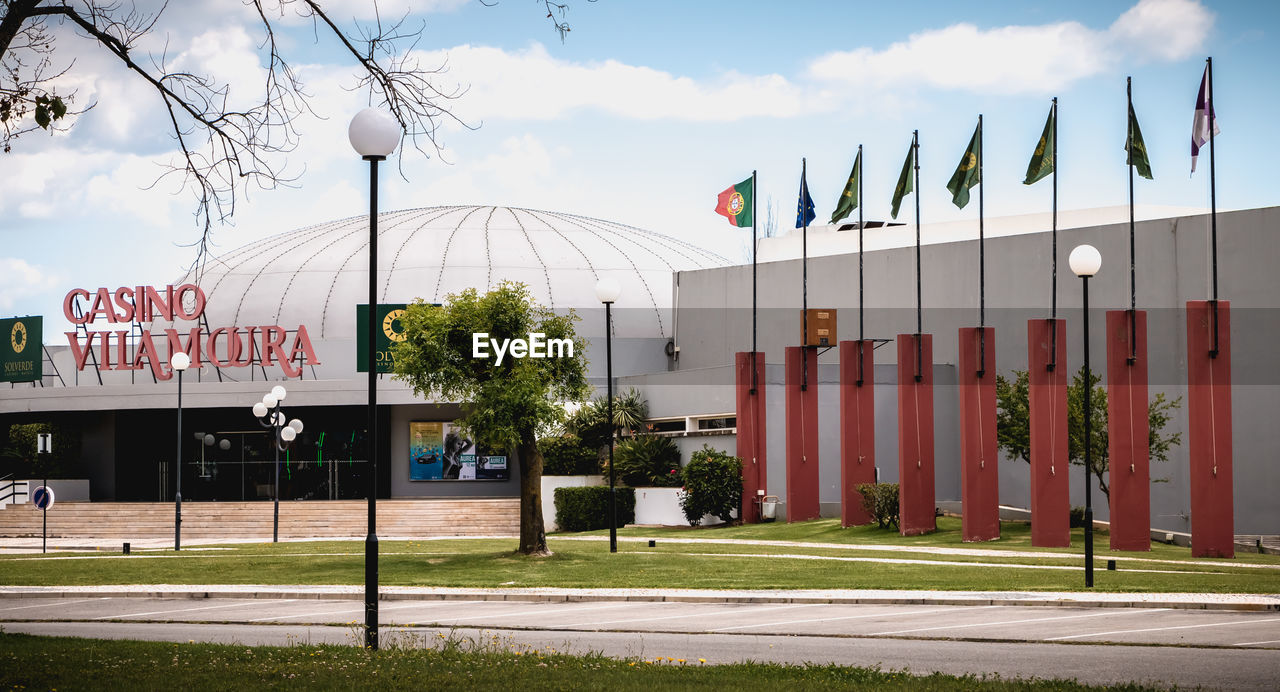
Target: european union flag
x: 804, y: 204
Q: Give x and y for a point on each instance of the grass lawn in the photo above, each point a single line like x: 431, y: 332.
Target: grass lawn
x: 821, y: 561
x: 71, y: 664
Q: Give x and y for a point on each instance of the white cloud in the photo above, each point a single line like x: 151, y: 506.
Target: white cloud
x: 531, y: 84
x: 127, y: 189
x: 18, y: 279
x: 1164, y: 29
x: 1022, y: 59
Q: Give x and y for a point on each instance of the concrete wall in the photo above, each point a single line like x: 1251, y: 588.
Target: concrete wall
x: 402, y: 487
x: 714, y: 316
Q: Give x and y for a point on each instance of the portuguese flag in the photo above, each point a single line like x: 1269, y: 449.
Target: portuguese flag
x: 735, y: 204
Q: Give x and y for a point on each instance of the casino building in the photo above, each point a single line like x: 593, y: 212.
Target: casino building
x: 282, y: 311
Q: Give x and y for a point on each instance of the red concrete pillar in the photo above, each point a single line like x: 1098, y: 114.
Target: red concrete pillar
x: 1209, y: 433
x: 1128, y: 430
x: 979, y: 455
x: 857, y: 428
x: 802, y: 433
x: 1050, y: 496
x: 751, y: 423
x: 915, y: 435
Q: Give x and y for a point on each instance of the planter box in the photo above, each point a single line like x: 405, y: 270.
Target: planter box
x: 549, y: 485
x: 661, y: 506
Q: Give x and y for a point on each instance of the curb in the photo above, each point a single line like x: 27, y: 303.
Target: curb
x: 566, y: 597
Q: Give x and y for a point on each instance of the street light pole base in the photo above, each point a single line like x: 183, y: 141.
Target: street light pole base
x: 371, y: 592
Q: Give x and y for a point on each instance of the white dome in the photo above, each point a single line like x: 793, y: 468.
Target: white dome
x: 317, y: 275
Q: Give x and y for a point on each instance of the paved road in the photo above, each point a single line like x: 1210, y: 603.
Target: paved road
x: 1235, y: 650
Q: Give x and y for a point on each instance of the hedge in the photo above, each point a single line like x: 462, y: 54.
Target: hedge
x: 587, y: 509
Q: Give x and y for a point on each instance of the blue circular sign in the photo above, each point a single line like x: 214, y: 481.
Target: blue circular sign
x: 42, y: 497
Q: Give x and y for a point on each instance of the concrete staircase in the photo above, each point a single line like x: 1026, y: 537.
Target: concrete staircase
x: 317, y: 519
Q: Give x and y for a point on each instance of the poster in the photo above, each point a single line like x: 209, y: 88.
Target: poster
x: 439, y: 452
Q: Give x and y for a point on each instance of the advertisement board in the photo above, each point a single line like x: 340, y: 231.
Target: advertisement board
x: 439, y: 452
x: 21, y: 357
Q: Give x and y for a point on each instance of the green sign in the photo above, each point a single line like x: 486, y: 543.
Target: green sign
x: 20, y: 354
x: 389, y: 331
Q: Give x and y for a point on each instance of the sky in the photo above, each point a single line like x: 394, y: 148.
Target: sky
x: 646, y: 111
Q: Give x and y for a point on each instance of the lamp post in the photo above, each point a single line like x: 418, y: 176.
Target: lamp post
x: 179, y: 362
x: 270, y: 416
x: 608, y: 290
x: 1085, y: 262
x: 374, y: 134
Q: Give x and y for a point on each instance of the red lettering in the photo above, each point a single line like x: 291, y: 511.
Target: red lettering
x: 123, y: 361
x: 192, y: 348
x: 124, y: 303
x: 238, y: 347
x: 105, y: 362
x: 213, y: 347
x: 197, y: 302
x: 302, y: 346
x: 69, y: 303
x: 80, y: 353
x: 156, y: 302
x: 102, y: 305
x: 147, y: 349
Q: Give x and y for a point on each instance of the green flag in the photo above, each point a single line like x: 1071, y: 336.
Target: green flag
x: 735, y: 203
x: 1135, y: 148
x: 849, y: 198
x: 1042, y: 163
x: 969, y: 172
x: 903, y: 187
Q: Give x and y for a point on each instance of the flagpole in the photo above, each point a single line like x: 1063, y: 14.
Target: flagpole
x: 915, y: 160
x: 1053, y: 279
x: 861, y: 309
x: 1213, y: 209
x: 804, y: 243
x: 982, y: 266
x: 754, y: 249
x: 1133, y: 272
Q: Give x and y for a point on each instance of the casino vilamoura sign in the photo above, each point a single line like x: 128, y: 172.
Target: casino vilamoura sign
x: 224, y: 347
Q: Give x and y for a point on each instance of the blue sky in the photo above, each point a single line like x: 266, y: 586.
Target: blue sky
x: 647, y: 110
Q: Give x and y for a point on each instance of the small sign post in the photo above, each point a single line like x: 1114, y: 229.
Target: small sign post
x: 42, y: 498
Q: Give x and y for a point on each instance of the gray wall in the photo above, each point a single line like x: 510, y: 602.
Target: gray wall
x: 714, y: 315
x: 401, y: 486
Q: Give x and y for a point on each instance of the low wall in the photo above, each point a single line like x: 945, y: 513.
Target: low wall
x: 549, y: 485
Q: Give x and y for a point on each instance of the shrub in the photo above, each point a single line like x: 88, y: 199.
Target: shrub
x: 567, y: 456
x: 1077, y: 517
x: 647, y: 460
x: 880, y: 500
x: 587, y: 509
x: 712, y: 485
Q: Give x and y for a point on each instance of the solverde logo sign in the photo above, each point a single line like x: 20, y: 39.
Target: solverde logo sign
x: 20, y: 353
x: 389, y: 332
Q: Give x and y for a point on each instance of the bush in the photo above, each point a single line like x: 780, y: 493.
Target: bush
x: 568, y: 456
x: 587, y: 509
x: 712, y: 485
x: 880, y: 500
x: 647, y: 460
x: 1077, y: 517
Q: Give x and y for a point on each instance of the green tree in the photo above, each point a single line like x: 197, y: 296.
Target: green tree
x: 589, y: 421
x: 1013, y: 423
x: 504, y: 405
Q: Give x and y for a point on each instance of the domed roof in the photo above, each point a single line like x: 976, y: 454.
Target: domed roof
x: 316, y: 275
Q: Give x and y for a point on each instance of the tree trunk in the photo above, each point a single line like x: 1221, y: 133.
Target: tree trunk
x: 533, y: 534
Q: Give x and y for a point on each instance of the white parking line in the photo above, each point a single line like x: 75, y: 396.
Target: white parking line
x: 687, y: 615
x: 540, y: 612
x: 1269, y: 641
x: 360, y: 609
x: 1161, y: 629
x: 845, y: 617
x: 178, y: 610
x: 1015, y: 622
x: 55, y: 605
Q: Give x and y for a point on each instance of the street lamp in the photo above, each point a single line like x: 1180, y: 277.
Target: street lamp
x: 179, y: 362
x: 271, y: 417
x: 607, y: 291
x: 1085, y: 261
x: 374, y: 134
